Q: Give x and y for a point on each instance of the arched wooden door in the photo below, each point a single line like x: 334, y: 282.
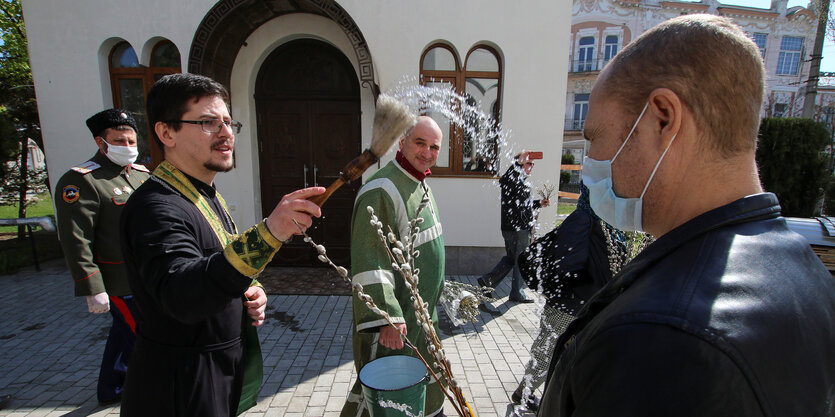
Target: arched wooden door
x: 307, y: 98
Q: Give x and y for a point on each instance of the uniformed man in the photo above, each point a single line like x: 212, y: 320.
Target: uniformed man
x: 88, y: 202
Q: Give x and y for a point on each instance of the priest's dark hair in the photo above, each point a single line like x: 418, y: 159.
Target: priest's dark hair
x: 169, y: 98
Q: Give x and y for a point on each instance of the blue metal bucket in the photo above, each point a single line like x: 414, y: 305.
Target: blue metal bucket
x: 394, y: 386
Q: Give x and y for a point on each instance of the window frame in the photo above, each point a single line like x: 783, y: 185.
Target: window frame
x: 610, y: 49
x: 579, y: 120
x: 147, y: 76
x: 795, y: 61
x: 458, y: 80
x: 764, y: 46
x: 586, y: 64
x: 780, y: 114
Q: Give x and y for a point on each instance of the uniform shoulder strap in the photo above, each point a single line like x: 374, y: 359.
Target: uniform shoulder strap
x: 140, y: 167
x: 86, y: 167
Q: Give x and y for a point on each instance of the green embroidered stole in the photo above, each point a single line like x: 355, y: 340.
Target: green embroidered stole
x: 253, y: 370
x: 175, y: 178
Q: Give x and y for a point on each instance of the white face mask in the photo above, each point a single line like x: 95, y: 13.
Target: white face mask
x: 122, y: 155
x: 622, y: 213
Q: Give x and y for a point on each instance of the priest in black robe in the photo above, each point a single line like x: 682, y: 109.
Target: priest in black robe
x: 191, y: 271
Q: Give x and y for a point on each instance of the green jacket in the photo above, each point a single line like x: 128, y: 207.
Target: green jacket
x: 395, y: 196
x: 88, y: 203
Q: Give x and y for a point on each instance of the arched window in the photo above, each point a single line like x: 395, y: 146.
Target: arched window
x: 480, y: 81
x: 483, y: 85
x: 130, y: 83
x: 439, y: 67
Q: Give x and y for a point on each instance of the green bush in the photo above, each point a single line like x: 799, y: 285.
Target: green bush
x: 792, y: 163
x: 567, y: 159
x: 565, y: 176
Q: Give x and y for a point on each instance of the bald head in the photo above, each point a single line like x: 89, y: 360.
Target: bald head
x: 425, y: 125
x: 422, y: 144
x: 709, y: 63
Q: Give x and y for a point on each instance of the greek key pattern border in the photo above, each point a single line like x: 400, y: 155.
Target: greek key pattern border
x: 200, y: 61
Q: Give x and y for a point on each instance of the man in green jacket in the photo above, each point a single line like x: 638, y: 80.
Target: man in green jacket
x: 395, y: 191
x: 88, y: 202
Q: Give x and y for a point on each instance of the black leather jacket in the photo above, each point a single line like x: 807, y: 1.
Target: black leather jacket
x: 569, y: 263
x: 730, y: 314
x: 517, y: 205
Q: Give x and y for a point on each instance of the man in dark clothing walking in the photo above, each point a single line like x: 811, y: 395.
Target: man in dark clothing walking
x: 728, y: 312
x: 517, y: 223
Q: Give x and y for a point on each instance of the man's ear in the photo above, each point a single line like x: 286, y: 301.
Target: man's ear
x: 101, y: 143
x: 666, y: 109
x: 164, y: 133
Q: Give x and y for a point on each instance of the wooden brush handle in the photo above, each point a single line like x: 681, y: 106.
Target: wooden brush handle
x: 360, y: 164
x: 351, y: 172
x: 321, y: 198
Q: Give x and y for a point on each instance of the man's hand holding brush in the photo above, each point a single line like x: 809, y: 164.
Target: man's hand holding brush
x: 294, y: 206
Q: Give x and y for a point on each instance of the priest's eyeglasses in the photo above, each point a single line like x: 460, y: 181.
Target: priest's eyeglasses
x: 212, y: 125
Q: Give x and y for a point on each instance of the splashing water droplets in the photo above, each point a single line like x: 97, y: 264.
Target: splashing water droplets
x: 481, y: 132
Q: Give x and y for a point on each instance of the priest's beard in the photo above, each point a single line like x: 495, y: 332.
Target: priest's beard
x: 221, y: 166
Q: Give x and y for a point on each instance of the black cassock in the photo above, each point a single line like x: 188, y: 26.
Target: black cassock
x: 189, y: 355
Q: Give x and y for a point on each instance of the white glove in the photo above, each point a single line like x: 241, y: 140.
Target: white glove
x: 98, y: 303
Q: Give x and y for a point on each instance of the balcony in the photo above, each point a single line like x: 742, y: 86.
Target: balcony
x: 586, y: 65
x: 574, y: 124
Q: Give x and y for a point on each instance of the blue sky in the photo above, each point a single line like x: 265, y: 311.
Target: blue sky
x: 828, y: 62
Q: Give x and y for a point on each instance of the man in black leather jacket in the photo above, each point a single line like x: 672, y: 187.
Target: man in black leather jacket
x: 517, y: 224
x: 727, y: 313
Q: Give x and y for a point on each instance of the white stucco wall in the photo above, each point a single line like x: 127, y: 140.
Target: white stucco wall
x: 69, y: 42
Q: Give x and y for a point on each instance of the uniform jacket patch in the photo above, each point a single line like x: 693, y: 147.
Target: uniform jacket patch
x: 70, y: 193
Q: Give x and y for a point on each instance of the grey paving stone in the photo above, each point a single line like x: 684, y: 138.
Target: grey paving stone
x: 51, y: 368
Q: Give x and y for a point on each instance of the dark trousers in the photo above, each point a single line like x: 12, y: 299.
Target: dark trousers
x: 514, y: 243
x: 117, y: 351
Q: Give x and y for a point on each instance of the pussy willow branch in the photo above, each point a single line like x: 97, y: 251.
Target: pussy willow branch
x: 546, y: 191
x: 404, y: 256
x: 369, y: 302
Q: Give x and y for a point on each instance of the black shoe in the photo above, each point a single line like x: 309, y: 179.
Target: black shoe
x: 485, y: 284
x: 523, y: 300
x: 489, y: 309
x: 531, y: 402
x: 5, y: 400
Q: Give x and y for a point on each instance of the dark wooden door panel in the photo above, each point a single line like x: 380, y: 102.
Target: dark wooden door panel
x: 307, y: 101
x: 336, y: 138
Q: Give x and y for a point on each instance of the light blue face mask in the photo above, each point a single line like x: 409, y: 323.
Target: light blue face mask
x: 622, y: 213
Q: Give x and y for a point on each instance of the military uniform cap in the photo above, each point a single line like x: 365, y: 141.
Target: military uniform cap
x: 110, y: 118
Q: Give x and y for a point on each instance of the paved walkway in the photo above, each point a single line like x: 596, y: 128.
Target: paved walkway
x: 50, y: 350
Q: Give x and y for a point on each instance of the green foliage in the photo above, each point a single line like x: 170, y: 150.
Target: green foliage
x: 566, y: 208
x: 565, y: 176
x: 37, y: 206
x: 9, y: 143
x: 792, y: 163
x: 567, y: 159
x: 829, y: 198
x: 19, y: 119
